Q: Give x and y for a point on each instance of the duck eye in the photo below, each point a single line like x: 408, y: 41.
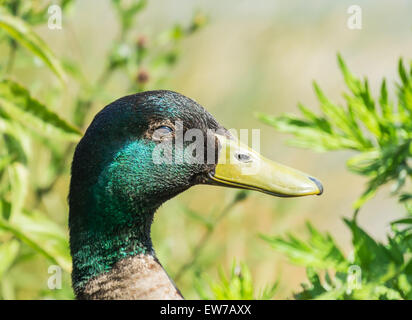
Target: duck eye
x: 162, y: 132
x: 164, y: 129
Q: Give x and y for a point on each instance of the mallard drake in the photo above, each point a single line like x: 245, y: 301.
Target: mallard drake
x: 120, y: 176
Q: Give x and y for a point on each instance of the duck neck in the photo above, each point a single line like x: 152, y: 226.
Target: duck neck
x: 113, y: 256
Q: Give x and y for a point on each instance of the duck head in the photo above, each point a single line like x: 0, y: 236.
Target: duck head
x: 142, y: 150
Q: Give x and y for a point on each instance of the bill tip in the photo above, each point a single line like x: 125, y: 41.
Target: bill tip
x: 318, y: 184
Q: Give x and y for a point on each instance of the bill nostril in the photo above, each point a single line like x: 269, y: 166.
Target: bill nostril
x: 318, y: 184
x: 243, y: 157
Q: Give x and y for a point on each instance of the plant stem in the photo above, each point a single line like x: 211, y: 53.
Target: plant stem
x: 241, y: 195
x: 12, y: 56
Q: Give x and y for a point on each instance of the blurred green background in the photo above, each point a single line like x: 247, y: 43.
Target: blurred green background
x: 250, y: 56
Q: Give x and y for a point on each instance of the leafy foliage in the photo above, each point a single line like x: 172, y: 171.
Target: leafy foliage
x: 237, y: 286
x: 19, y: 106
x: 381, y: 134
x: 319, y: 251
x: 24, y: 35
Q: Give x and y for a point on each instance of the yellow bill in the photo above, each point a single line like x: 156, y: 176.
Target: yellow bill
x: 241, y: 167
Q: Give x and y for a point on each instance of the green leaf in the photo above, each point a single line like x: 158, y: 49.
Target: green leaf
x: 315, y: 289
x: 383, y: 100
x: 19, y: 187
x: 402, y: 73
x: 42, y: 235
x: 17, y: 102
x: 363, y: 163
x: 322, y: 123
x: 308, y: 135
x: 127, y: 12
x: 402, y: 221
x: 319, y: 251
x: 5, y: 161
x: 8, y: 253
x: 369, y: 254
x: 237, y: 286
x: 352, y: 82
x: 14, y: 148
x: 23, y: 34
